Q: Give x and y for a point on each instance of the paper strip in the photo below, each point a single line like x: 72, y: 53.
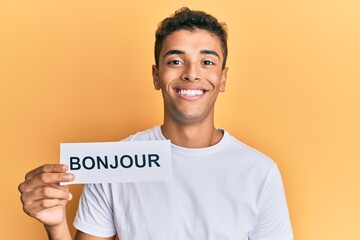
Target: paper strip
x: 114, y: 162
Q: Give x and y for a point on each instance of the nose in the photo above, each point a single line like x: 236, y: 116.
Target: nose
x: 191, y: 73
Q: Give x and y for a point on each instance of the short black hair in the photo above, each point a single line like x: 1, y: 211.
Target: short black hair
x: 187, y: 19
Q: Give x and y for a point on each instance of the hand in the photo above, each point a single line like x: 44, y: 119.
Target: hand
x: 42, y: 196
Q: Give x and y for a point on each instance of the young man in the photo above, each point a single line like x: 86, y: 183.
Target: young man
x: 221, y: 188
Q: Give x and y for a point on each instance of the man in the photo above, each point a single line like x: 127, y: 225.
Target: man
x: 221, y: 188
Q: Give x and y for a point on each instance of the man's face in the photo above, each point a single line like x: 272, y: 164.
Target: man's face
x: 190, y: 75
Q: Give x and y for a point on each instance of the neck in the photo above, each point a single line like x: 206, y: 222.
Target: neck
x: 191, y: 135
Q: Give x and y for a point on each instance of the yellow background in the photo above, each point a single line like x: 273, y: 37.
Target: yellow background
x: 79, y: 71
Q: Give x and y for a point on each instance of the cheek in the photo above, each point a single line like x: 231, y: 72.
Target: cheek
x: 215, y: 80
x: 166, y: 77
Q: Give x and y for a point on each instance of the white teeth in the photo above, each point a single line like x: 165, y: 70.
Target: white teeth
x: 191, y: 92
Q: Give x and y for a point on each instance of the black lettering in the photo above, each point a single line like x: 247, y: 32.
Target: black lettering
x: 143, y: 161
x: 103, y: 163
x: 74, y: 163
x: 116, y: 163
x: 122, y: 161
x: 92, y: 163
x: 153, y: 158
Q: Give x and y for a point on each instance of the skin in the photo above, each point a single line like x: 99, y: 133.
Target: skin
x: 190, y: 61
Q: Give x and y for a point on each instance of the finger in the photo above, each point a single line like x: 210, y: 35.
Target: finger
x: 33, y: 208
x: 44, y: 179
x: 47, y: 192
x: 47, y: 168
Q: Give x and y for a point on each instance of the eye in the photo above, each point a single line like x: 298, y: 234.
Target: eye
x: 208, y: 62
x: 175, y: 62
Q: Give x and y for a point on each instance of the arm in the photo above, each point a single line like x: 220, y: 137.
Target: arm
x: 273, y: 221
x: 44, y: 199
x: 83, y: 236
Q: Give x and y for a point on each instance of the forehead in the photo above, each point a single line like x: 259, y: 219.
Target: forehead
x: 192, y: 42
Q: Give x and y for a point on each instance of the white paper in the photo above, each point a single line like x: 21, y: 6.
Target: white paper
x: 115, y: 162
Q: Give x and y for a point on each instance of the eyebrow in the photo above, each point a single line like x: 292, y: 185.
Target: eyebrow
x: 211, y: 52
x: 174, y: 52
x: 180, y: 52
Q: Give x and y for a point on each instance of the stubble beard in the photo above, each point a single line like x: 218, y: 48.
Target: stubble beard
x: 189, y: 115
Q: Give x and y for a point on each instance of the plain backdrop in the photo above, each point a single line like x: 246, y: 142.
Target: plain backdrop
x: 80, y: 71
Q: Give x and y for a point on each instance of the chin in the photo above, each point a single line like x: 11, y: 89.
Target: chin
x: 190, y: 117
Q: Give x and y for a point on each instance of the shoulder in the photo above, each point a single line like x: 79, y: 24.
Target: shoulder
x: 153, y: 133
x: 247, y: 153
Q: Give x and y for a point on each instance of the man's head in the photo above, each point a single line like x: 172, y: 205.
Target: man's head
x: 186, y: 19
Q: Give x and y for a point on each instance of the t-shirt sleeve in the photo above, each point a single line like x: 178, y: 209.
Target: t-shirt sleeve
x: 273, y: 222
x: 95, y: 214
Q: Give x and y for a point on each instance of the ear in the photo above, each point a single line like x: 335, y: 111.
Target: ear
x: 155, y: 75
x: 223, y: 79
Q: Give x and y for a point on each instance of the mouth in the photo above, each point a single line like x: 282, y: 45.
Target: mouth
x: 190, y: 92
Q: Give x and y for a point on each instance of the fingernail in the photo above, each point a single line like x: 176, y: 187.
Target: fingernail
x: 70, y: 196
x: 71, y: 177
x: 65, y: 167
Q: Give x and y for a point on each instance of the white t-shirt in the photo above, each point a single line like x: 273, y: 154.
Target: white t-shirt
x: 226, y: 191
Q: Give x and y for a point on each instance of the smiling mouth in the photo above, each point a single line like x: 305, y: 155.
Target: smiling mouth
x: 190, y: 92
